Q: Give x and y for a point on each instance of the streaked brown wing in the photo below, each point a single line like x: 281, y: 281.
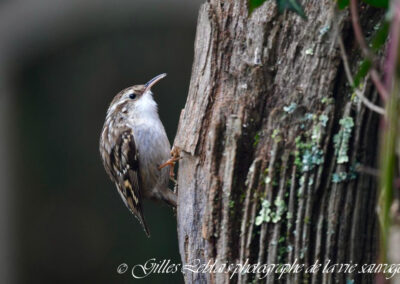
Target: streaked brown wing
x: 125, y: 162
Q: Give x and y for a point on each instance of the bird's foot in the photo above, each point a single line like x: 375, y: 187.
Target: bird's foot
x: 175, y: 156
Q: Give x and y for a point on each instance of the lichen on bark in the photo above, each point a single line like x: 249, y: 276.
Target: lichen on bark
x: 259, y: 178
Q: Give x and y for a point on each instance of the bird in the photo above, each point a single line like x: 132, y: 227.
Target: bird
x: 135, y: 149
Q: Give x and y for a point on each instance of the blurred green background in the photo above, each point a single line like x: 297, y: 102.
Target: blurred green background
x: 61, y: 64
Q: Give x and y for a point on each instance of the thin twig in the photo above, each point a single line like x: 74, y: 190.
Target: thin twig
x: 368, y: 170
x: 345, y: 60
x: 391, y: 52
x: 355, y: 20
x: 359, y: 94
x: 380, y: 87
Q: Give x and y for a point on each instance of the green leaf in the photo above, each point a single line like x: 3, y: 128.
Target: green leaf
x: 378, y: 3
x: 377, y: 42
x: 253, y: 4
x: 362, y: 72
x: 342, y: 4
x: 291, y: 5
x: 380, y: 37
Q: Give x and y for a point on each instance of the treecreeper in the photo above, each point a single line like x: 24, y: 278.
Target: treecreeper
x: 135, y: 149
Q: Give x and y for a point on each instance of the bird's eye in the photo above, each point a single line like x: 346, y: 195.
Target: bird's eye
x: 132, y: 96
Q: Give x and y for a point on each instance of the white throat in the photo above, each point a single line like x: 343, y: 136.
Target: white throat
x: 146, y: 107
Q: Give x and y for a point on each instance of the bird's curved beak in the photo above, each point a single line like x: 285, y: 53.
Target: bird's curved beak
x: 153, y: 81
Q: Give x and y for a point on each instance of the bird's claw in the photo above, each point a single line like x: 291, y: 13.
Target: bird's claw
x: 175, y: 156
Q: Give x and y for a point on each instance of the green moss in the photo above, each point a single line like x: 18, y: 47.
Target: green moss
x: 256, y: 139
x: 242, y: 197
x: 282, y: 250
x: 327, y: 100
x: 275, y: 135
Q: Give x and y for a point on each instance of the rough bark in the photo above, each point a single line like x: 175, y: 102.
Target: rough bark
x: 265, y: 102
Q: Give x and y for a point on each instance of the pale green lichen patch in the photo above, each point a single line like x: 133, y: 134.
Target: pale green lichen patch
x: 339, y: 177
x: 309, y: 116
x: 324, y: 29
x: 280, y: 210
x: 309, y: 51
x: 303, y: 251
x: 344, y: 176
x: 290, y: 108
x: 342, y: 138
x: 267, y: 215
x: 301, y: 183
x: 309, y: 154
x: 323, y: 118
x: 311, y: 158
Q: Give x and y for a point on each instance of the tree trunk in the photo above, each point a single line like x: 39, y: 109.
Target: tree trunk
x: 271, y: 140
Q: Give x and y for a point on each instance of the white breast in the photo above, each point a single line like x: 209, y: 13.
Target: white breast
x: 151, y: 141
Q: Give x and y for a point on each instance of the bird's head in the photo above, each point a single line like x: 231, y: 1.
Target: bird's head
x: 136, y: 100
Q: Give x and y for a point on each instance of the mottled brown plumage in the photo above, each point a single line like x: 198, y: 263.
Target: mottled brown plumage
x: 133, y: 145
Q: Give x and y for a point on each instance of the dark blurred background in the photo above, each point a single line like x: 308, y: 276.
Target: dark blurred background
x: 61, y: 63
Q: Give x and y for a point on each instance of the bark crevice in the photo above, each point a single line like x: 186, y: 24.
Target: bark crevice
x: 271, y: 137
